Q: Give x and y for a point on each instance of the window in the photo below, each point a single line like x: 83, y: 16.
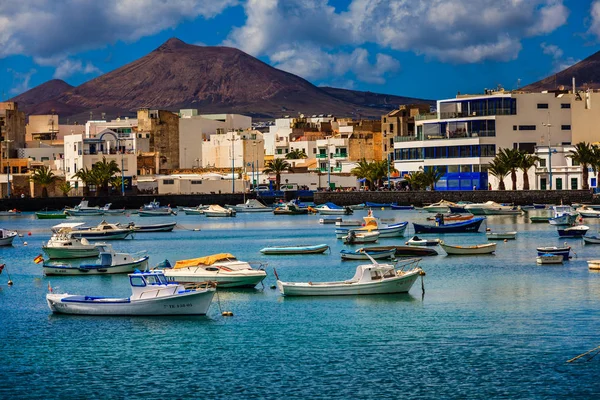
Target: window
x: 559, y: 184
x: 314, y: 151
x: 565, y: 127
x: 196, y: 182
x: 385, y: 119
x: 542, y: 105
x: 391, y: 128
x: 488, y: 150
x: 565, y: 105
x: 527, y: 127
x: 137, y: 281
x: 528, y: 148
x: 573, y: 183
x: 169, y: 182
x: 543, y: 183
x: 514, y: 127
x: 593, y: 182
x: 542, y: 162
x: 575, y: 163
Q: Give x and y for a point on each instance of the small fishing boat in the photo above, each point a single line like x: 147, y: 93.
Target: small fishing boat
x: 549, y: 258
x: 251, y: 205
x: 594, y: 265
x: 354, y: 237
x: 458, y: 209
x: 417, y: 241
x: 360, y: 206
x: 104, y: 231
x: 563, y: 251
x: 573, y: 231
x: 441, y: 206
x: 330, y: 221
x: 199, y: 210
x: 348, y: 222
x: 63, y: 246
x: 223, y: 269
x: 501, y: 235
x: 215, y: 210
x: 372, y: 278
x: 453, y: 217
x: 361, y: 254
x: 111, y: 262
x: 458, y: 227
x: 379, y: 205
x: 563, y: 215
x: 7, y: 237
x: 539, y: 206
x: 333, y: 209
x: 539, y: 219
x: 290, y: 209
x: 154, y: 209
x: 406, y: 251
x: 10, y: 213
x: 372, y: 224
x: 167, y: 227
x: 588, y: 212
x: 397, y: 207
x: 84, y: 210
x: 51, y: 215
x: 116, y: 211
x: 479, y: 249
x: 595, y: 239
x: 309, y: 249
x: 503, y: 211
x: 479, y: 208
x: 151, y: 295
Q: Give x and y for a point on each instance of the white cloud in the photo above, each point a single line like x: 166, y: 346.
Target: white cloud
x: 21, y: 80
x: 595, y: 19
x: 458, y: 31
x: 66, y: 67
x: 558, y: 62
x: 46, y: 28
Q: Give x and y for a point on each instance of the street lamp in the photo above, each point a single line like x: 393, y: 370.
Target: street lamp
x: 8, y: 142
x: 255, y: 158
x: 232, y: 163
x: 549, y: 125
x: 328, y: 165
x: 122, y: 167
x: 388, y: 168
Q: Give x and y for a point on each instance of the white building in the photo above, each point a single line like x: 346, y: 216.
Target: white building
x: 466, y: 133
x: 245, y: 148
x: 194, y: 129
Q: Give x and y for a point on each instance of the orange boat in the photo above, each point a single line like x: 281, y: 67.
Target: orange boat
x: 453, y: 217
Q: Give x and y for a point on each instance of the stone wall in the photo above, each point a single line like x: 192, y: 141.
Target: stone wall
x: 420, y: 198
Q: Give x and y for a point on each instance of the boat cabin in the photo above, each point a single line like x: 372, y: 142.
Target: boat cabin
x: 149, y: 284
x: 375, y: 272
x: 559, y: 211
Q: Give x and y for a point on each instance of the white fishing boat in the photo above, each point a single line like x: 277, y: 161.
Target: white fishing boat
x: 154, y: 209
x: 594, y: 239
x: 62, y: 246
x: 563, y: 215
x: 251, y: 205
x: 501, y: 235
x: 104, y: 231
x: 417, y: 241
x: 549, y: 259
x: 361, y: 254
x: 479, y: 249
x: 441, y: 206
x: 354, y: 237
x: 223, y: 269
x: 110, y: 262
x: 298, y: 249
x: 594, y: 265
x: 330, y: 220
x: 372, y: 278
x: 199, y: 210
x: 491, y: 206
x: 83, y: 209
x: 503, y: 211
x: 7, y: 237
x: 588, y: 212
x: 333, y: 209
x: 215, y: 210
x: 166, y: 227
x: 350, y: 222
x: 372, y: 224
x: 152, y: 295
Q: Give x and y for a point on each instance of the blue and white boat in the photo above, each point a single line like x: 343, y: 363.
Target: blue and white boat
x: 111, y: 262
x: 563, y: 215
x: 471, y: 225
x: 83, y: 209
x: 573, y: 231
x: 379, y: 205
x: 280, y: 250
x: 151, y: 295
x: 154, y: 209
x: 563, y: 251
x: 397, y: 207
x: 333, y: 209
x: 391, y: 230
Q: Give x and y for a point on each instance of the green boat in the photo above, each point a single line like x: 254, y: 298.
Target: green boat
x: 51, y: 215
x: 539, y: 220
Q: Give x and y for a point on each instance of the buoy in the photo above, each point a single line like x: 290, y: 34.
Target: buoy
x: 422, y: 273
x: 24, y: 243
x: 196, y: 229
x: 273, y: 287
x: 487, y: 229
x: 227, y: 314
x: 20, y: 235
x: 28, y: 233
x: 382, y: 208
x: 580, y: 219
x: 9, y: 283
x: 505, y: 240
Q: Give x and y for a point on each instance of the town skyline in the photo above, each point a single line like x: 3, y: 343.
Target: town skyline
x: 510, y: 44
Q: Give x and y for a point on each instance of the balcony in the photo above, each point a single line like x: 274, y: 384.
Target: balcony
x: 340, y: 155
x: 399, y: 139
x: 321, y: 156
x: 339, y: 169
x: 424, y: 117
x: 484, y: 113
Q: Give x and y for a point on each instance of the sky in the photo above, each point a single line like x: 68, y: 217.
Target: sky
x: 420, y: 48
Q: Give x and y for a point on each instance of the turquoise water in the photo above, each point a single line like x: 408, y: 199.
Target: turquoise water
x: 487, y: 327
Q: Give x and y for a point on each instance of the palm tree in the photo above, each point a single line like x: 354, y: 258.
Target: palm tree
x: 498, y: 169
x: 363, y: 170
x: 296, y: 154
x: 415, y: 180
x: 526, y: 161
x: 431, y: 176
x: 86, y: 176
x: 104, y: 171
x: 43, y: 177
x: 584, y: 155
x: 276, y: 167
x: 511, y: 158
x: 65, y: 187
x: 116, y: 182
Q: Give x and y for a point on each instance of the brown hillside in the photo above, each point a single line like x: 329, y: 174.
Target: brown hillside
x: 586, y: 73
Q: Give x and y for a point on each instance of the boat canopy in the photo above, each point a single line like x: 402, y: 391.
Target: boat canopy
x: 208, y: 260
x: 333, y: 206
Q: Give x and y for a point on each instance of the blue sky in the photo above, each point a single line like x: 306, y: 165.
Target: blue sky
x: 421, y: 48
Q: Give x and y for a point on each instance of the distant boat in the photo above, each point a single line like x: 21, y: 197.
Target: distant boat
x: 573, y: 231
x: 458, y: 227
x: 111, y: 262
x: 563, y: 251
x: 501, y: 235
x: 406, y: 251
x: 104, y: 231
x: 83, y: 209
x: 154, y: 209
x: 417, y: 241
x: 354, y: 237
x: 479, y: 249
x: 453, y: 217
x: 361, y: 254
x: 333, y: 209
x: 281, y: 250
x: 563, y: 215
x: 216, y: 210
x: 539, y: 219
x: 588, y: 212
x: 594, y: 265
x: 379, y: 205
x: 372, y: 225
x: 330, y: 220
x: 290, y: 209
x: 63, y: 246
x: 549, y: 258
x: 167, y: 227
x: 251, y: 205
x: 51, y: 215
x: 591, y: 239
x: 7, y: 237
x: 397, y: 207
x: 441, y: 206
x: 194, y: 210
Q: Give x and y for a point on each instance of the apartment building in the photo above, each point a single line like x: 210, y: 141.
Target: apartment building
x: 237, y: 149
x: 399, y: 123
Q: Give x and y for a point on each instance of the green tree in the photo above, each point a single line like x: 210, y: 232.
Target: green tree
x: 416, y: 180
x: 526, y: 161
x: 499, y: 169
x: 512, y: 159
x: 296, y: 155
x: 431, y: 176
x: 276, y: 167
x: 584, y: 155
x: 65, y: 187
x: 43, y: 177
x: 88, y: 178
x: 363, y: 170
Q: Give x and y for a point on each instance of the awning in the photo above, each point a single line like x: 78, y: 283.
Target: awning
x: 362, y: 180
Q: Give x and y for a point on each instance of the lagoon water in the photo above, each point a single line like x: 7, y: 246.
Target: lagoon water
x: 495, y: 326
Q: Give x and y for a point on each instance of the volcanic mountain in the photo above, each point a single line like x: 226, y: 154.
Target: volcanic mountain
x: 212, y: 79
x: 586, y: 73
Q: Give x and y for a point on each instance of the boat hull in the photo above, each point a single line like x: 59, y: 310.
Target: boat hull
x: 591, y: 239
x: 571, y: 233
x: 101, y: 235
x: 501, y: 235
x: 563, y: 251
x: 460, y: 227
x: 227, y: 281
x: 396, y: 230
x: 53, y: 270
x: 66, y: 253
x: 567, y: 219
x: 7, y: 241
x: 192, y: 303
x: 375, y: 255
x: 155, y: 228
x: 400, y: 284
x: 594, y: 265
x: 295, y: 250
x: 553, y: 259
x: 469, y: 250
x: 407, y: 251
x: 437, y: 209
x: 51, y: 215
